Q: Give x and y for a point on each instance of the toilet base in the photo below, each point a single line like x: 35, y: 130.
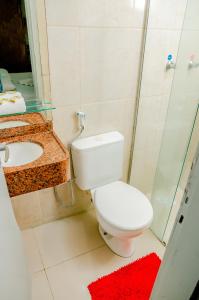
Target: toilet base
x: 122, y: 247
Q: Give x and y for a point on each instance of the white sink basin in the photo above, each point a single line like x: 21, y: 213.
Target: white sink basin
x: 21, y: 153
x: 11, y: 124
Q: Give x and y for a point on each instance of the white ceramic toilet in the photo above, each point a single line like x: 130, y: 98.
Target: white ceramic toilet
x: 123, y: 212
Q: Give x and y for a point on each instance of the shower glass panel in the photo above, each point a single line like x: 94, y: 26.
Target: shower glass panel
x: 180, y: 121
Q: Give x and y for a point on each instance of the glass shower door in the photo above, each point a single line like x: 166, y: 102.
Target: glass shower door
x: 180, y: 121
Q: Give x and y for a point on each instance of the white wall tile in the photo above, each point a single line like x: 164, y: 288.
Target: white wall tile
x: 63, y: 205
x: 101, y: 13
x: 109, y: 63
x: 32, y: 251
x: 65, y: 122
x: 150, y: 126
x: 191, y: 18
x: 27, y: 210
x: 167, y: 14
x: 40, y: 287
x: 155, y: 79
x: 104, y: 117
x: 64, y: 65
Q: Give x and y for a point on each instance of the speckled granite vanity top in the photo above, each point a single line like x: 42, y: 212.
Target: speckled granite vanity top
x: 35, y: 123
x: 50, y: 169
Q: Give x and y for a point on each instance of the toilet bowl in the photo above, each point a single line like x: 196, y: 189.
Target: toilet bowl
x: 122, y: 211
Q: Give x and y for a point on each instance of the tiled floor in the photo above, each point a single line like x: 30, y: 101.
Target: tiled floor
x: 66, y: 255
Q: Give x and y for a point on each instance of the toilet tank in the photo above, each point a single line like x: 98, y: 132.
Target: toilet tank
x: 98, y: 160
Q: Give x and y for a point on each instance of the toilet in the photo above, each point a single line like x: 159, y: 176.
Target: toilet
x: 123, y: 212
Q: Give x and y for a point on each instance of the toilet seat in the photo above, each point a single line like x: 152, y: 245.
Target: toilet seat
x: 123, y: 206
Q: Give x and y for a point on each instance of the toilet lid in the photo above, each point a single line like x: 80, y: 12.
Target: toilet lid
x: 123, y: 206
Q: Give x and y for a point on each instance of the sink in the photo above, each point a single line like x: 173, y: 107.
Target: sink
x: 21, y: 153
x: 11, y: 124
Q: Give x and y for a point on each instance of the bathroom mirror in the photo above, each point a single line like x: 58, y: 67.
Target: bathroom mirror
x: 21, y: 75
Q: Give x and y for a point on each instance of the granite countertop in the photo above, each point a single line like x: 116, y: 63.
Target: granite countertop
x: 31, y: 118
x: 36, y: 124
x: 50, y: 169
x: 52, y: 147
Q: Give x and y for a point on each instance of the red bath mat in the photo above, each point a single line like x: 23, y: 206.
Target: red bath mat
x: 132, y: 282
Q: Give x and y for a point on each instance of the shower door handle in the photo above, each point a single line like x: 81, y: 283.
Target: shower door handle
x: 193, y: 64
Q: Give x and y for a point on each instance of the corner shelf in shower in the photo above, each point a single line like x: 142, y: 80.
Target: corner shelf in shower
x: 34, y: 105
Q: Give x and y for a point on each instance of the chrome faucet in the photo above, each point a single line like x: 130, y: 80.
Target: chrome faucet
x: 4, y: 147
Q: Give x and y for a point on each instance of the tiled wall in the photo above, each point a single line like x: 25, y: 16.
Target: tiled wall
x: 41, y: 207
x: 163, y: 37
x: 94, y: 54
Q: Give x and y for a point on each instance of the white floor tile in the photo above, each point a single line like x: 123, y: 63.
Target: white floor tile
x: 75, y: 255
x: 69, y: 280
x: 32, y: 251
x: 40, y: 287
x: 67, y: 238
x: 147, y: 243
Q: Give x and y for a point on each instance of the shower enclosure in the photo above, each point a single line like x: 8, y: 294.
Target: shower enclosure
x: 180, y: 136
